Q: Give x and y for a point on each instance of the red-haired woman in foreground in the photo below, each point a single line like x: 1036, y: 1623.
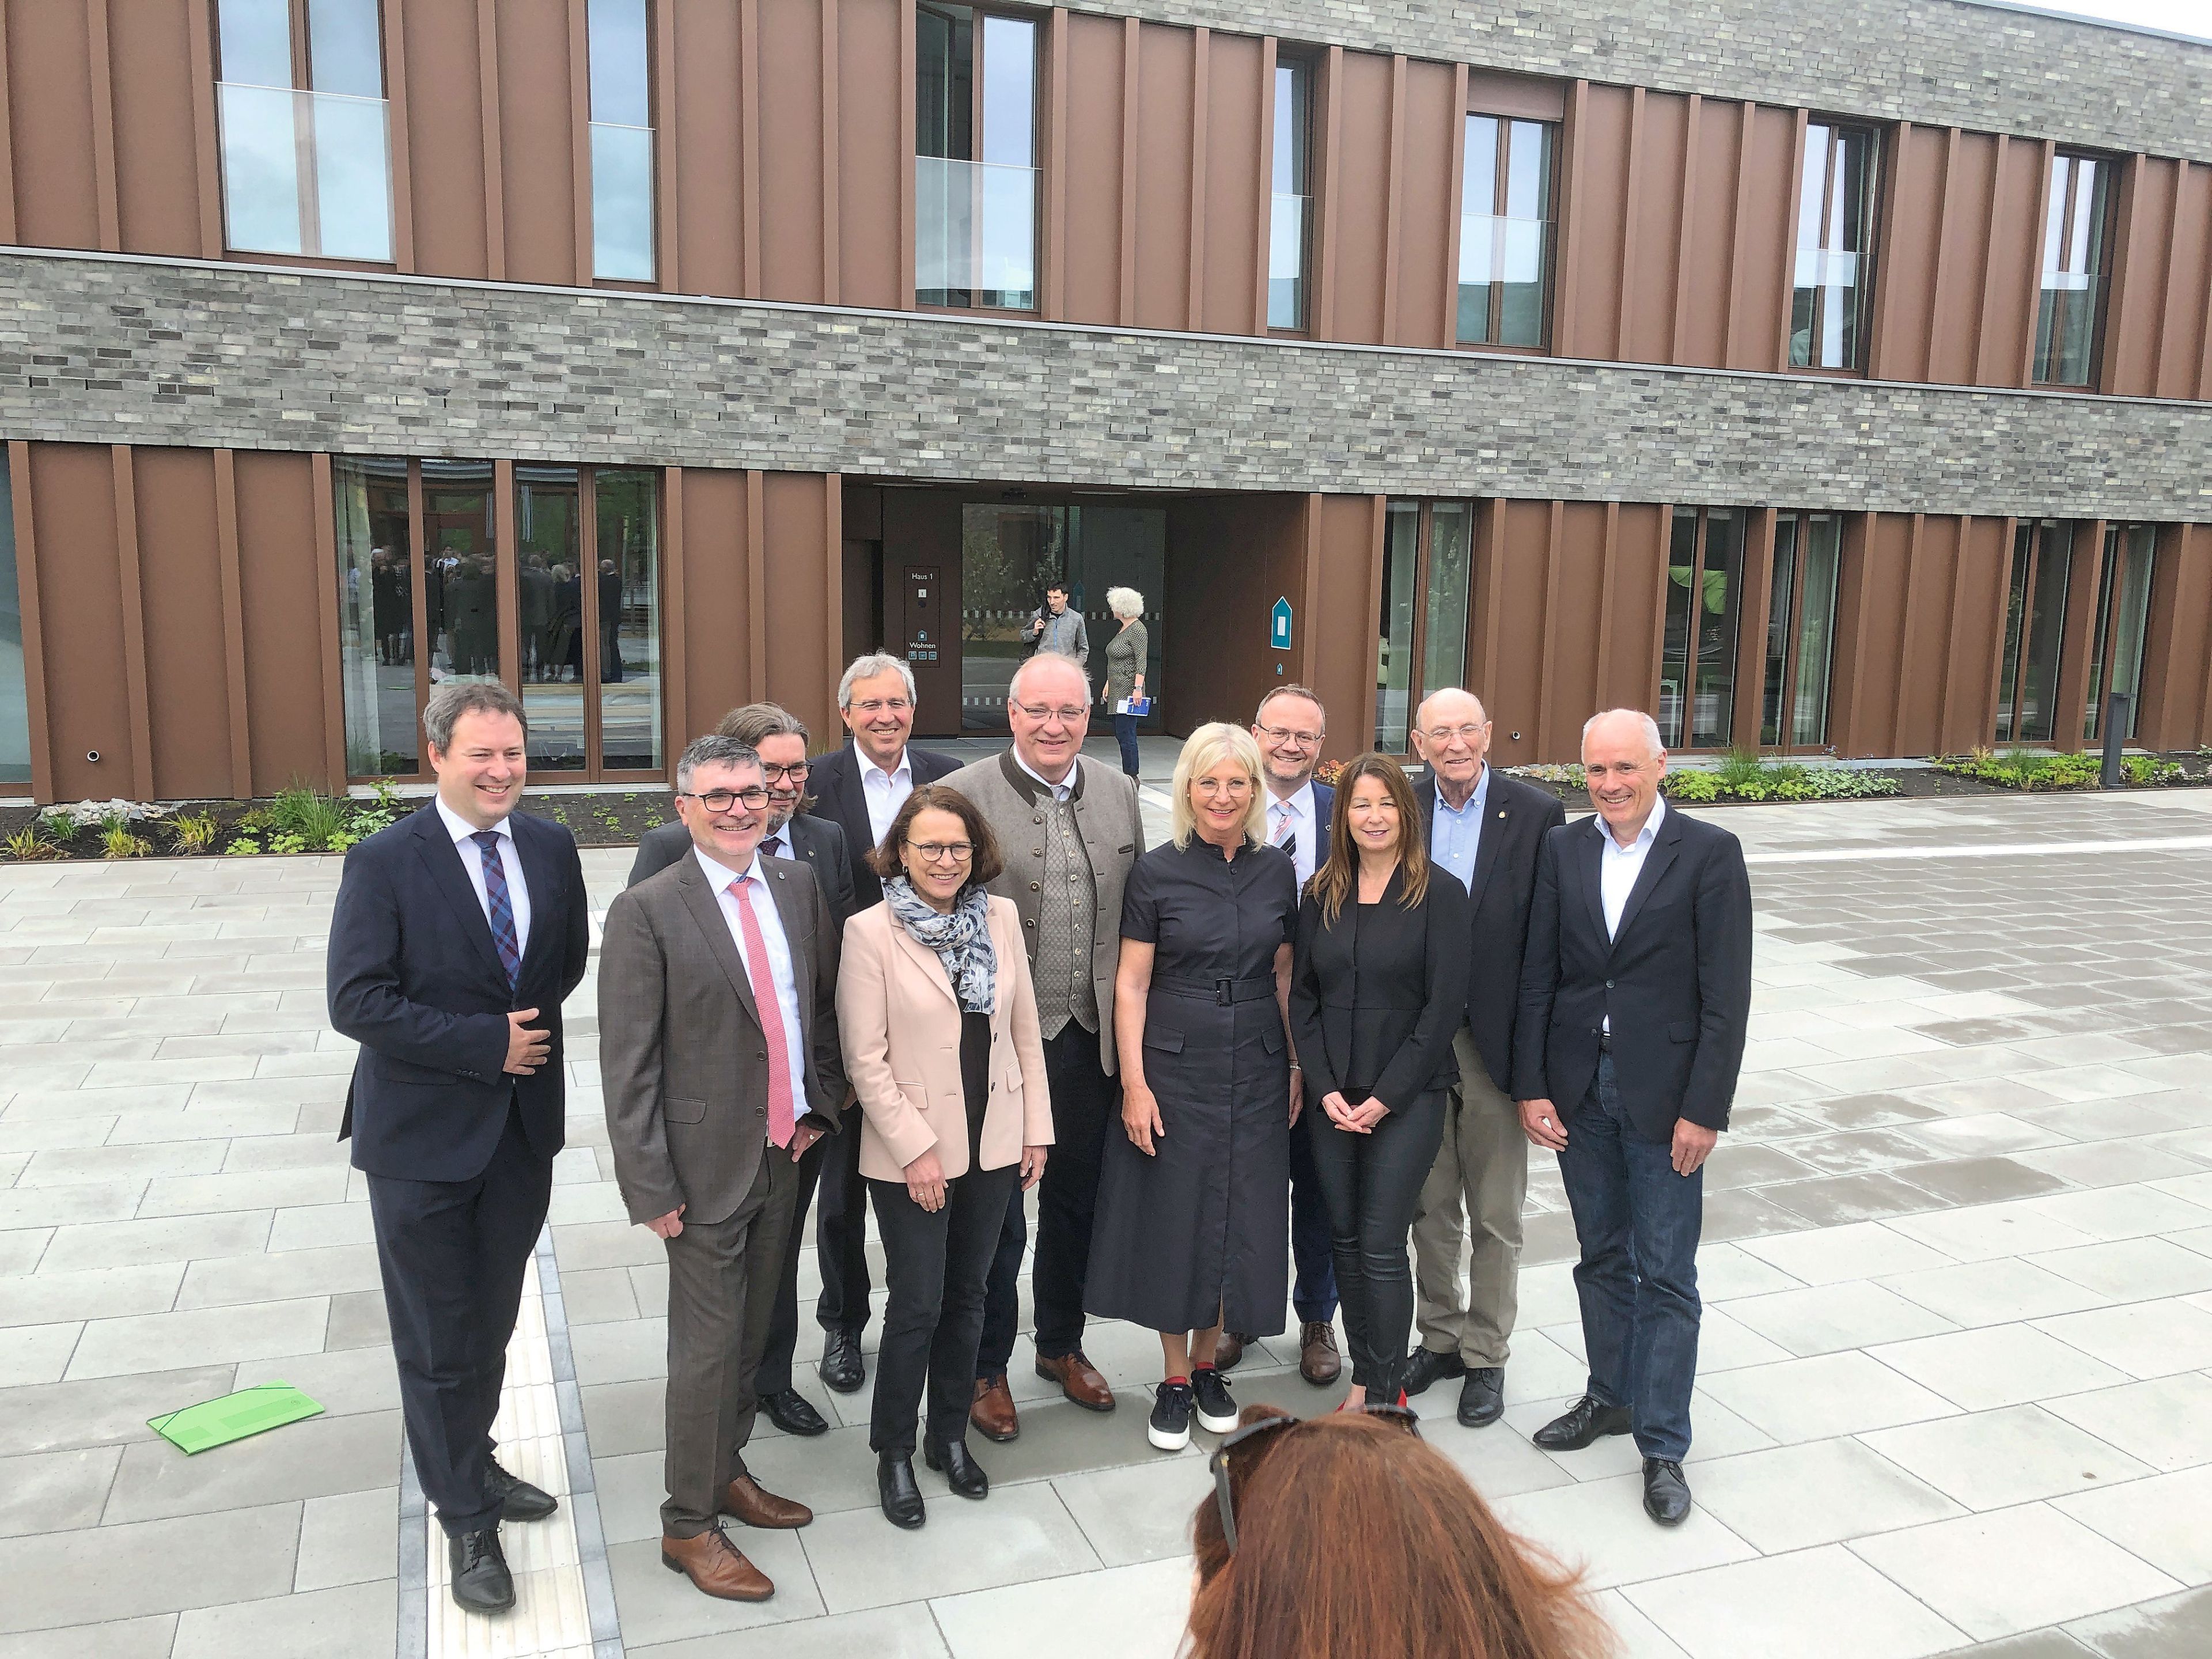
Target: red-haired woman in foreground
x: 1350, y: 1535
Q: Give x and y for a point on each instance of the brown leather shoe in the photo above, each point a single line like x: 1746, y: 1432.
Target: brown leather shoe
x: 1317, y: 1357
x: 755, y: 1506
x: 992, y: 1412
x: 1079, y: 1380
x: 715, y: 1566
x: 1227, y: 1349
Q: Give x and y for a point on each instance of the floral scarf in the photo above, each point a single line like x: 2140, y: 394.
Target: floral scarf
x: 962, y: 940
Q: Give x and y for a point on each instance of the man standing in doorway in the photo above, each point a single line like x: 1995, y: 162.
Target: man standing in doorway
x: 1069, y: 828
x: 1057, y: 629
x: 1635, y: 997
x: 1486, y: 830
x: 1291, y: 727
x: 860, y: 788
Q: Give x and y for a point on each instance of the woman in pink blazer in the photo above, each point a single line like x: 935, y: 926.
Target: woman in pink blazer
x: 941, y: 1034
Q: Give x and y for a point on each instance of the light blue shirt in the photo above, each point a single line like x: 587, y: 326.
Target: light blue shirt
x: 1456, y: 837
x: 721, y: 877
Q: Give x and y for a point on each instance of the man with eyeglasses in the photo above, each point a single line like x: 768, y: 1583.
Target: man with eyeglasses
x: 779, y: 738
x: 1486, y: 831
x: 1069, y: 828
x: 1291, y: 726
x: 860, y: 788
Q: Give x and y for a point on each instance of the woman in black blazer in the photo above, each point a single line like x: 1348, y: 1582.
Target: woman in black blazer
x: 1378, y: 988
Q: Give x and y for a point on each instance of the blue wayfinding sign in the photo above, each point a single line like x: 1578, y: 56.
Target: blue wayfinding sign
x: 1278, y: 628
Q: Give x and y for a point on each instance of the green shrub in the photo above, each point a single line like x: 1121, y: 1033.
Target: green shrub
x: 2149, y: 769
x: 194, y: 833
x: 33, y: 843
x: 1693, y: 786
x: 117, y: 842
x: 242, y: 847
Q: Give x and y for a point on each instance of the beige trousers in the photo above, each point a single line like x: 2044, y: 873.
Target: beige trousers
x: 1477, y: 1186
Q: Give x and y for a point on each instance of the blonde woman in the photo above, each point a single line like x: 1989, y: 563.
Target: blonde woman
x: 1125, y: 669
x: 1193, y: 1220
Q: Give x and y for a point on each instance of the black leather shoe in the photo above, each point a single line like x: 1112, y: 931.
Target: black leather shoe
x: 517, y: 1499
x: 962, y: 1473
x: 793, y: 1412
x: 1425, y: 1365
x: 1482, y: 1396
x: 1665, y: 1494
x: 1587, y: 1420
x: 897, y: 1490
x: 841, y: 1366
x: 477, y: 1567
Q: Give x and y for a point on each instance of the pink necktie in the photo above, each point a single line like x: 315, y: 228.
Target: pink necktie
x: 781, y: 1116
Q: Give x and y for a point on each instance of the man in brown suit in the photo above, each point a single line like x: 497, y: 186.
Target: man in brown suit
x: 718, y: 1050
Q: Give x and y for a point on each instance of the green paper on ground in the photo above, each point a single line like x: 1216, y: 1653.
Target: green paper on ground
x: 218, y: 1422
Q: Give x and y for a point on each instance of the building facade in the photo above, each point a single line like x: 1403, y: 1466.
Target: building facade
x: 1829, y: 376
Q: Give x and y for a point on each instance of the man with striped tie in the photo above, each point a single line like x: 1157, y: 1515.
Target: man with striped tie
x: 458, y: 932
x: 719, y: 1057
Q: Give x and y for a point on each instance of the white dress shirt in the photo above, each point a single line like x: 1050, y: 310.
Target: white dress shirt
x: 1297, y: 814
x: 776, y: 844
x: 719, y: 876
x: 886, y: 791
x: 1060, y: 791
x: 1619, y: 866
x: 518, y: 890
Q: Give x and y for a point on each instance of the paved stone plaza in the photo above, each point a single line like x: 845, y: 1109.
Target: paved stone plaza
x: 1956, y: 1380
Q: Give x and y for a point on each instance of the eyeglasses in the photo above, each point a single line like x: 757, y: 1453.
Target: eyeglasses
x: 1244, y: 1449
x: 1469, y: 733
x: 796, y: 773
x: 1223, y: 786
x: 1039, y: 713
x: 1285, y: 734
x: 943, y: 852
x: 880, y: 706
x: 721, y: 800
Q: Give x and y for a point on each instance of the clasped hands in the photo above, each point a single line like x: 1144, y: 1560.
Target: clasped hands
x: 1358, y: 1120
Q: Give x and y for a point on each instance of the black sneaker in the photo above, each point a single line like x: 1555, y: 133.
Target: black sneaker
x: 1217, y: 1411
x: 1170, y: 1427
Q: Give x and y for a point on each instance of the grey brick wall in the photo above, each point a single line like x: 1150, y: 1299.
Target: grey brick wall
x: 103, y: 349
x: 1942, y: 63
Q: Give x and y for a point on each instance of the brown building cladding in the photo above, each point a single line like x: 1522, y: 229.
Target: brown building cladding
x: 180, y: 439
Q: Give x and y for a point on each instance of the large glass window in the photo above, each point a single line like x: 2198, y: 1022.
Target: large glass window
x: 2072, y: 298
x: 1801, y: 630
x: 976, y: 174
x: 549, y: 534
x: 1292, y: 209
x: 376, y: 617
x: 1704, y: 594
x: 1428, y: 552
x: 1835, y: 247
x: 1505, y: 231
x: 305, y: 162
x: 14, y: 700
x: 2035, y: 631
x: 627, y: 513
x: 2116, y: 645
x: 621, y: 142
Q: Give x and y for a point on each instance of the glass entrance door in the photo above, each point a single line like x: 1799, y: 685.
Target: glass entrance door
x: 1704, y: 606
x: 1800, y: 629
x: 2116, y: 643
x: 2035, y: 631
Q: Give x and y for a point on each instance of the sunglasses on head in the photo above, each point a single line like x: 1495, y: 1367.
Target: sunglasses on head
x: 1244, y: 1449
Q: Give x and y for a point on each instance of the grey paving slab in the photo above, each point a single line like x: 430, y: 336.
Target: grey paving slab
x: 171, y: 1239
x: 354, y: 1622
x: 149, y: 1636
x: 316, y: 1458
x: 70, y: 1578
x: 112, y: 1347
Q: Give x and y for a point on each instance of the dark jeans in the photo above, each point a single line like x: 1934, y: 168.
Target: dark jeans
x: 1637, y: 1222
x: 841, y: 1234
x: 774, y: 1373
x: 1371, y: 1183
x: 935, y: 1266
x: 1125, y: 733
x: 454, y: 1254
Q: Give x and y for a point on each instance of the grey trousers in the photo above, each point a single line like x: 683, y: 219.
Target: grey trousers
x: 722, y: 1279
x: 1476, y: 1187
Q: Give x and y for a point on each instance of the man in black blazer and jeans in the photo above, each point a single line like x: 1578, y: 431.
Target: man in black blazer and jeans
x: 458, y: 932
x: 1635, y: 997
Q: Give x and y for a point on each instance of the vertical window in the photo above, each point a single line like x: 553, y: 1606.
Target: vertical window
x: 626, y: 511
x: 1801, y: 630
x: 976, y: 174
x: 1291, y: 211
x: 1835, y: 248
x: 1505, y: 232
x: 1428, y: 550
x: 305, y: 165
x: 2116, y: 645
x: 14, y: 698
x: 2035, y: 628
x: 1704, y: 591
x: 549, y: 536
x: 2074, y: 238
x: 621, y: 142
x: 376, y: 617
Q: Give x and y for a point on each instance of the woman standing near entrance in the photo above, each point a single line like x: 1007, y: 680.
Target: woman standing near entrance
x: 1194, y: 1216
x: 1125, y: 669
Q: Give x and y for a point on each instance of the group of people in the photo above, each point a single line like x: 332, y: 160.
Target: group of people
x: 1311, y: 1025
x: 461, y: 606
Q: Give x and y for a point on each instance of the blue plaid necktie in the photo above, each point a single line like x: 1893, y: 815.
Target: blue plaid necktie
x: 501, y: 905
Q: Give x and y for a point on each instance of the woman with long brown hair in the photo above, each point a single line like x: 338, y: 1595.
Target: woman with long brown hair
x: 1378, y: 985
x: 1419, y: 1568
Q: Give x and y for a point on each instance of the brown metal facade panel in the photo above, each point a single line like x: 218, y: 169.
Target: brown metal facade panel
x: 50, y: 121
x: 2144, y: 246
x: 538, y: 202
x: 238, y: 711
x: 286, y: 658
x: 1513, y: 575
x: 2176, y: 660
x: 1709, y: 232
x: 2013, y: 256
x: 8, y: 185
x: 2071, y: 702
x: 1359, y: 222
x: 446, y: 136
x: 1966, y: 205
x: 874, y: 153
x: 800, y: 559
x: 1854, y: 633
x: 1165, y: 63
x: 157, y: 185
x: 1228, y: 558
x: 1656, y: 224
x: 789, y: 122
x: 1599, y: 164
x: 2187, y: 333
x: 714, y: 622
x: 1429, y: 144
x: 1765, y: 241
x: 1090, y: 266
x: 181, y: 595
x: 1910, y: 232
x: 72, y: 494
x: 1237, y: 193
x: 703, y: 148
x: 1925, y: 620
x: 1348, y: 551
x: 1574, y: 676
x: 1638, y: 614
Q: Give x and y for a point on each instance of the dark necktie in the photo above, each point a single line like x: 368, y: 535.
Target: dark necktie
x: 501, y: 904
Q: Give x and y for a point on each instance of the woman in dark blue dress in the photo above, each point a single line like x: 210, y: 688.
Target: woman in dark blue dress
x: 1194, y: 1199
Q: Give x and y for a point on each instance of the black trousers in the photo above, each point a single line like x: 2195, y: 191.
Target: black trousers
x: 935, y: 1266
x: 453, y: 1255
x: 1371, y: 1183
x: 841, y: 1234
x: 774, y: 1373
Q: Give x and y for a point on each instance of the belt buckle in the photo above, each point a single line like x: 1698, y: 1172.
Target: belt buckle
x: 1222, y: 990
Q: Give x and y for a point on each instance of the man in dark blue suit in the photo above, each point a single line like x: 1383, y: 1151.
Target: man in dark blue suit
x: 458, y: 932
x: 1289, y: 727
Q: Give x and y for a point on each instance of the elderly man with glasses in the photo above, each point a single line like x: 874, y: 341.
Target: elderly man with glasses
x: 1070, y: 829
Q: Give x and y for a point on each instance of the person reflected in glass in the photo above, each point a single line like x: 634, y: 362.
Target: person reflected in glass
x: 1125, y: 669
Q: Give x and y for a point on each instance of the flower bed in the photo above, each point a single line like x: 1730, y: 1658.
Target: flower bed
x: 2018, y: 769
x: 1743, y: 776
